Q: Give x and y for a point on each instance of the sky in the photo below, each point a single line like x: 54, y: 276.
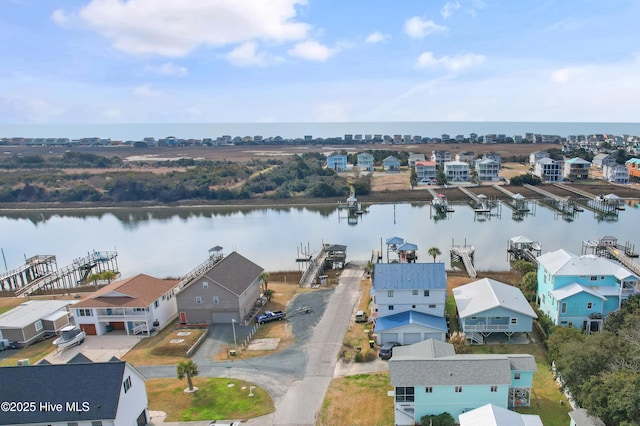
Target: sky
x: 174, y: 61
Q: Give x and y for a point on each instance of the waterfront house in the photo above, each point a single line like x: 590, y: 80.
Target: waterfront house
x: 337, y: 161
x: 28, y: 322
x: 456, y: 171
x: 537, y: 155
x: 488, y: 170
x: 426, y: 172
x: 616, y: 173
x: 466, y: 156
x: 548, y: 170
x: 79, y: 393
x: 440, y: 156
x: 391, y: 164
x: 633, y: 166
x: 580, y: 291
x: 429, y: 378
x: 224, y: 292
x: 365, y: 161
x: 136, y: 305
x: 603, y: 159
x: 576, y: 169
x: 413, y: 158
x: 492, y: 415
x: 487, y: 306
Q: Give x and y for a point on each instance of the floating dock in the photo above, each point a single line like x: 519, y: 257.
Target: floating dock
x: 598, y: 204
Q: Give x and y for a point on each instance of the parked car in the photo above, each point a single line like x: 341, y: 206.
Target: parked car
x: 386, y: 351
x: 361, y: 316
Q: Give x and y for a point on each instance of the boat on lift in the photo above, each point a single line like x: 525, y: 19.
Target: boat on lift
x: 71, y: 335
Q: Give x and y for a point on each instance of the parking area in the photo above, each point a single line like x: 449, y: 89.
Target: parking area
x: 96, y: 348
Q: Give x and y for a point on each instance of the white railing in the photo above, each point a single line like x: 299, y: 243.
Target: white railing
x: 487, y: 327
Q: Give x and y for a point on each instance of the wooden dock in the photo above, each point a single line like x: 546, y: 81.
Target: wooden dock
x: 621, y: 257
x: 562, y: 204
x: 465, y: 253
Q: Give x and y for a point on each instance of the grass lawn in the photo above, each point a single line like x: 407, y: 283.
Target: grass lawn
x: 358, y: 400
x: 34, y: 353
x: 214, y: 400
x: 8, y: 303
x: 546, y: 394
x: 158, y: 349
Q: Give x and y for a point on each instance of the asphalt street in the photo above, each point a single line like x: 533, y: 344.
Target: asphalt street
x: 297, y: 378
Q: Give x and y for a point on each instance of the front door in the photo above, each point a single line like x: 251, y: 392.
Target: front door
x: 183, y: 317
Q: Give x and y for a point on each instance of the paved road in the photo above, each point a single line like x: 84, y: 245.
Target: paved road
x: 297, y: 378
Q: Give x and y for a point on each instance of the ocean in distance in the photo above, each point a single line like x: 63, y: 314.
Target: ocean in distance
x: 138, y: 131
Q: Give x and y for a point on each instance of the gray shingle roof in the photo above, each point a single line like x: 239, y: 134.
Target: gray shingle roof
x: 96, y: 383
x: 408, y: 276
x: 235, y: 273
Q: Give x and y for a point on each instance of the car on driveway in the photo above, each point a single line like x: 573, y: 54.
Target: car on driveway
x: 386, y: 351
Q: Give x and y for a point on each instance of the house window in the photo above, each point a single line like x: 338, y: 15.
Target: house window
x: 414, y: 292
x: 432, y: 306
x: 426, y: 293
x: 589, y: 305
x: 593, y: 278
x: 137, y: 310
x: 127, y: 384
x: 164, y: 297
x: 458, y: 389
x: 494, y: 389
x: 474, y: 318
x: 516, y: 376
x: 514, y: 321
x: 389, y: 293
x: 198, y: 300
x: 84, y: 312
x: 391, y: 307
x: 428, y: 389
x: 404, y: 394
x: 96, y: 423
x: 205, y: 284
x: 156, y: 304
x: 38, y: 325
x: 413, y: 306
x: 216, y: 300
x: 498, y: 318
x: 563, y: 308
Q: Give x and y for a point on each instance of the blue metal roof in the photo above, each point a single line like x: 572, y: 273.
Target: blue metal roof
x: 409, y: 276
x: 389, y: 322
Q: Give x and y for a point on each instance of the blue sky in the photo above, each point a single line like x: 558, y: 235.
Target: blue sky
x: 138, y: 61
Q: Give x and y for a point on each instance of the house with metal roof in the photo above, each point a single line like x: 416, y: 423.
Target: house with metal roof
x: 31, y: 320
x: 580, y: 291
x: 226, y: 291
x: 136, y: 305
x: 81, y: 393
x: 492, y: 415
x: 410, y: 327
x: 488, y: 306
x: 429, y: 378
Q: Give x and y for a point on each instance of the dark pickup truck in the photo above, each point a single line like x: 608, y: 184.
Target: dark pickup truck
x: 269, y: 316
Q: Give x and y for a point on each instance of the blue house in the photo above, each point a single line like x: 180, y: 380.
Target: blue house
x: 487, y: 306
x: 391, y: 164
x: 337, y: 162
x: 410, y: 327
x: 580, y: 291
x: 365, y: 161
x: 430, y: 379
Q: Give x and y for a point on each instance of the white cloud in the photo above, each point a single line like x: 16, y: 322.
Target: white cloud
x: 145, y: 91
x: 450, y: 63
x: 566, y: 75
x: 312, y: 50
x: 376, y: 37
x: 417, y: 27
x: 174, y: 28
x: 60, y: 17
x: 448, y: 8
x: 169, y: 68
x: 246, y: 55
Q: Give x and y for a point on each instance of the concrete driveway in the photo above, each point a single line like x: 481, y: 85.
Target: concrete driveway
x: 96, y: 348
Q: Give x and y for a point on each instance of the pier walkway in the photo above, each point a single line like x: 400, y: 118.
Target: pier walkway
x: 465, y: 253
x: 520, y: 202
x: 624, y: 259
x: 315, y: 266
x: 561, y: 204
x: 595, y: 203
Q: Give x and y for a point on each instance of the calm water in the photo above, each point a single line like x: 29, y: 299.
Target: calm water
x: 166, y: 242
x: 137, y: 131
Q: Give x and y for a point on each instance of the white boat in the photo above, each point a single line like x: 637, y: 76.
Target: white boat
x: 71, y: 335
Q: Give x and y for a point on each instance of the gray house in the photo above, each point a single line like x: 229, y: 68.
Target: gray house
x: 391, y: 164
x: 226, y: 291
x: 28, y: 322
x: 487, y: 306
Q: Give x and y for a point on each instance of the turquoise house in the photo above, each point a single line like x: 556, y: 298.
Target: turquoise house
x: 430, y: 379
x: 365, y: 161
x: 580, y: 291
x: 337, y: 162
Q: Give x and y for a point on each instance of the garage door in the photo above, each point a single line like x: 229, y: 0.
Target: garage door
x: 117, y: 326
x: 388, y: 337
x: 411, y: 338
x: 90, y: 329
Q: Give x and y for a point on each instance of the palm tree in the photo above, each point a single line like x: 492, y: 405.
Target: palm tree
x: 435, y: 252
x: 265, y: 281
x: 187, y: 369
x: 108, y: 275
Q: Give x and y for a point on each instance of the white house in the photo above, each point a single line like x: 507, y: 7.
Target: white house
x: 81, y: 394
x: 615, y: 173
x: 488, y: 170
x: 537, y: 155
x: 548, y: 170
x: 456, y: 171
x: 135, y: 305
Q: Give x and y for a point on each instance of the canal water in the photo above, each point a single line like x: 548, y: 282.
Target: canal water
x: 170, y: 242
